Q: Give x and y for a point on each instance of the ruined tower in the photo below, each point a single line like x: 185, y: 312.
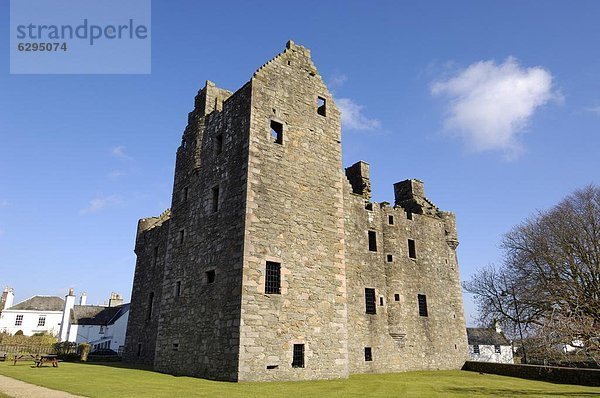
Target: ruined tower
x: 265, y: 261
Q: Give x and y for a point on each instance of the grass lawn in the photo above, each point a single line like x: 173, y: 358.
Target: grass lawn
x: 95, y: 380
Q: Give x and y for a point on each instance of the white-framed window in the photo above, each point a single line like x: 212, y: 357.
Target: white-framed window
x: 476, y: 349
x: 101, y: 329
x: 19, y: 320
x: 42, y: 320
x: 497, y: 349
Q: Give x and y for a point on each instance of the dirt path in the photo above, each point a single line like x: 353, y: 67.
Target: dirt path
x: 20, y: 389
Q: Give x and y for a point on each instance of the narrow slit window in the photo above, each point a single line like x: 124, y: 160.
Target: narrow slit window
x: 368, y: 354
x: 412, y: 251
x: 390, y: 258
x: 210, y: 276
x: 215, y: 199
x: 422, y: 299
x: 476, y: 349
x: 396, y: 297
x: 219, y: 144
x: 150, y: 305
x: 370, y: 301
x: 181, y: 236
x: 372, y: 241
x: 277, y: 132
x: 177, y: 288
x: 298, y: 356
x: 270, y: 367
x: 321, y: 106
x: 185, y: 193
x: 391, y: 220
x: 139, y: 349
x: 273, y: 278
x: 381, y: 301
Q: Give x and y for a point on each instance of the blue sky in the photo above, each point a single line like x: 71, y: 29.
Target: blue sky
x: 495, y: 105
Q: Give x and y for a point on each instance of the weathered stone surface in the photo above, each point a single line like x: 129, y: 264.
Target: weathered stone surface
x: 288, y: 200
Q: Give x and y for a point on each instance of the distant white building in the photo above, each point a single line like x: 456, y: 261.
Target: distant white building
x: 489, y: 345
x: 102, y: 326
x: 37, y: 314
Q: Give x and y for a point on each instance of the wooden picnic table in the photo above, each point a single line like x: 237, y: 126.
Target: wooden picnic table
x: 41, y: 359
x: 38, y: 359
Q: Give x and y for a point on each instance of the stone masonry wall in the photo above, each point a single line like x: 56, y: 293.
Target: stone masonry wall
x: 294, y: 217
x: 198, y: 331
x: 150, y: 248
x: 399, y: 338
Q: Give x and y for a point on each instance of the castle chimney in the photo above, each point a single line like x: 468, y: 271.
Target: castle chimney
x: 7, y: 299
x: 83, y: 298
x: 115, y: 300
x: 359, y: 177
x: 66, y: 316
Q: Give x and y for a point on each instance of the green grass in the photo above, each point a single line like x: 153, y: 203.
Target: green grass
x: 95, y: 380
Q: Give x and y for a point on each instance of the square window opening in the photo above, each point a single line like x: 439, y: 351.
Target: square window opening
x: 391, y: 220
x: 321, y: 106
x: 277, y: 132
x: 175, y: 346
x: 396, y: 297
x: 422, y: 299
x: 273, y: 278
x: 210, y: 276
x: 497, y: 349
x: 412, y: 250
x: 298, y: 356
x: 370, y: 307
x: 372, y: 241
x: 368, y: 354
x: 390, y: 258
x: 369, y: 206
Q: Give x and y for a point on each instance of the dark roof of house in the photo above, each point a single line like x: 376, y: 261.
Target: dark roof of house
x: 486, y: 336
x: 40, y: 303
x: 97, y: 315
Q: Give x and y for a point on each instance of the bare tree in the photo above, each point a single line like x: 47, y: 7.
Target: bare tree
x: 549, y: 284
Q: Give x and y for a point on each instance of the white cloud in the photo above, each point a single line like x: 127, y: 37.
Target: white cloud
x: 491, y: 104
x: 119, y: 153
x: 594, y: 109
x: 337, y: 80
x: 100, y: 203
x: 353, y: 117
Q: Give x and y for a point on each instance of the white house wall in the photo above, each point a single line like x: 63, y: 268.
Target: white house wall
x: 29, y: 325
x: 487, y: 353
x: 91, y: 333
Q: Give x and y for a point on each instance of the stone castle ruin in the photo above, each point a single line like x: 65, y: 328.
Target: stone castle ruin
x: 273, y: 263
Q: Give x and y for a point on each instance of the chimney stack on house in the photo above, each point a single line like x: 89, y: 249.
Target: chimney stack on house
x: 6, y: 301
x: 83, y: 299
x: 497, y: 326
x: 115, y: 299
x: 64, y: 325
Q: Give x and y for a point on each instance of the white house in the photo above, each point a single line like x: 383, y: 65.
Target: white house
x: 37, y: 314
x: 102, y: 326
x: 489, y: 345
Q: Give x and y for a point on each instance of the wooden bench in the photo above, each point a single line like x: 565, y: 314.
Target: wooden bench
x: 3, y: 356
x: 23, y: 357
